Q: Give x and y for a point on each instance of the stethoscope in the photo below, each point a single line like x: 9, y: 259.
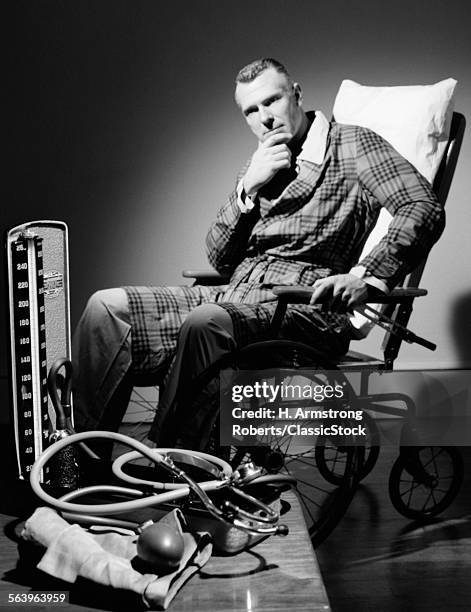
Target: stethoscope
x: 260, y: 520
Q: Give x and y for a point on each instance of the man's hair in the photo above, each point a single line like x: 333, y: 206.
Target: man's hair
x: 250, y: 72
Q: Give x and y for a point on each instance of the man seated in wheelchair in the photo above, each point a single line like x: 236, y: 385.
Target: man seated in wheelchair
x: 300, y: 212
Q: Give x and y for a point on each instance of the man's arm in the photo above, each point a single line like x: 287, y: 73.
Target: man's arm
x: 418, y: 218
x: 418, y: 221
x: 227, y: 239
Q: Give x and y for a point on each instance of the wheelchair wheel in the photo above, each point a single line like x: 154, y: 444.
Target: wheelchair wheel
x: 323, y: 503
x: 330, y: 457
x: 425, y: 480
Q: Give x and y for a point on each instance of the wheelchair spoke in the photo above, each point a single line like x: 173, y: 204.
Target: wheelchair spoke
x: 433, y: 459
x: 307, y: 508
x: 308, y: 484
x: 430, y: 496
x: 410, y: 495
x: 310, y: 464
x: 306, y: 498
x: 295, y: 456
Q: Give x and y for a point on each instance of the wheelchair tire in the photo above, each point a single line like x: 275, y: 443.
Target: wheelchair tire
x: 324, y: 504
x: 418, y: 497
x: 330, y: 457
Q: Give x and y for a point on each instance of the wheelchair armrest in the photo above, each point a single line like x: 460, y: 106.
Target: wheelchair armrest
x: 206, y: 277
x: 300, y: 294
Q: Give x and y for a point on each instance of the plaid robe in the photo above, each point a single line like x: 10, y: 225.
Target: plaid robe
x: 310, y: 222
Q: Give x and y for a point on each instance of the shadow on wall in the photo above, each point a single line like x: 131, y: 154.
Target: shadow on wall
x: 461, y: 329
x: 441, y: 400
x: 443, y: 407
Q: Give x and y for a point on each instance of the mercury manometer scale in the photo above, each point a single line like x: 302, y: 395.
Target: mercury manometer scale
x: 38, y: 281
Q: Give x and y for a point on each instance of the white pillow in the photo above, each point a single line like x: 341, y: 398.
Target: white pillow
x: 415, y: 119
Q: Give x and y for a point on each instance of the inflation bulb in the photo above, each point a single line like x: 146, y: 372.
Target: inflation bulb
x: 64, y: 466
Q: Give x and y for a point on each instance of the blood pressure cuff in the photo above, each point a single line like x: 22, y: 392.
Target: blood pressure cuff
x: 107, y: 555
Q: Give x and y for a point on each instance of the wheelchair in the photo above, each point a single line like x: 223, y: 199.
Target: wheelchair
x: 424, y: 480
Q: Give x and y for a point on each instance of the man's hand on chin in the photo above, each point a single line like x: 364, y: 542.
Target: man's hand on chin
x: 272, y: 155
x: 340, y: 292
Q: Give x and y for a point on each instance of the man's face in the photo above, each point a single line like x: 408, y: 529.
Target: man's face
x: 270, y: 104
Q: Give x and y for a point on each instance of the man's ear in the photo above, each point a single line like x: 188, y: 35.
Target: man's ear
x: 298, y: 94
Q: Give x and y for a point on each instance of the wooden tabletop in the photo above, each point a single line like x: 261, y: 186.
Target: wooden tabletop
x: 278, y: 574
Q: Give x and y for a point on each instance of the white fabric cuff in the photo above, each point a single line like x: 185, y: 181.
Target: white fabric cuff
x: 360, y: 323
x: 361, y: 272
x: 243, y: 201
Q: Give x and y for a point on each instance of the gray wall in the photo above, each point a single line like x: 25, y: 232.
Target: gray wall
x: 124, y: 127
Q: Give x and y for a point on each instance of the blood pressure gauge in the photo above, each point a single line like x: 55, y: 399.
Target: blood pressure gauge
x: 37, y: 257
